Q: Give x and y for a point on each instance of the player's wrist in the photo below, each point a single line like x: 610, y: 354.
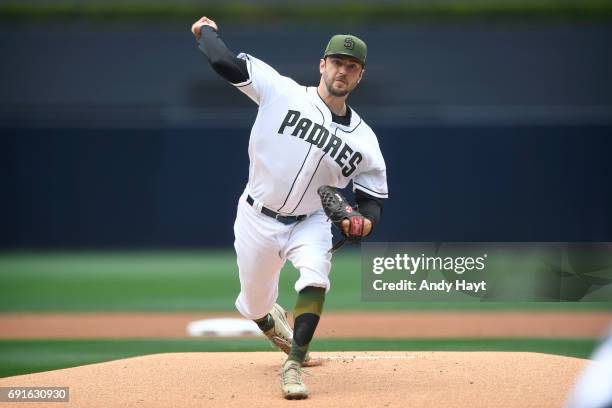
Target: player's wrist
x: 209, y: 26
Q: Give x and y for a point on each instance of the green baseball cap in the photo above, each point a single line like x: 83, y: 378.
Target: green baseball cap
x: 346, y: 44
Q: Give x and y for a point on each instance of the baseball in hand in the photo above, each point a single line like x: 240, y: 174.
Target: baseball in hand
x: 204, y: 21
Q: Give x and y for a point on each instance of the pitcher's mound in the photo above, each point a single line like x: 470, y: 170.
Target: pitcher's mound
x: 360, y: 379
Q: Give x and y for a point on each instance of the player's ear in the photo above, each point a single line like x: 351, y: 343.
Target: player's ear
x: 322, y: 65
x: 361, y: 75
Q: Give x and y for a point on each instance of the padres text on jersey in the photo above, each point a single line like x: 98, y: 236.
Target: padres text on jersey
x: 295, y: 147
x: 319, y: 136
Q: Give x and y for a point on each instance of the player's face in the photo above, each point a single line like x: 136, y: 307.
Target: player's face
x: 341, y: 75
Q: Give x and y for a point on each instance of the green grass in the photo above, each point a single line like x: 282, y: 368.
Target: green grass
x: 183, y: 281
x: 118, y: 281
x: 29, y: 356
x: 353, y: 12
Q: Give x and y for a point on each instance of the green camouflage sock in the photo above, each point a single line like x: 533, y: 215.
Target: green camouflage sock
x: 307, y: 312
x: 265, y: 323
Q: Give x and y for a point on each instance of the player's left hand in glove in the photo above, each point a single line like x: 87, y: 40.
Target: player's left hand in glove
x: 353, y: 225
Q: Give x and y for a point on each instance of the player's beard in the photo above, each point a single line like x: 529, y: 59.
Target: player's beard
x: 336, y: 92
x: 329, y: 84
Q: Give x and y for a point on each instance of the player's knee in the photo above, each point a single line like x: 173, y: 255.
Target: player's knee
x: 315, y: 263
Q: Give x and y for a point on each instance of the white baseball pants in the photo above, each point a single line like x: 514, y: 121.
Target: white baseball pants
x: 263, y: 245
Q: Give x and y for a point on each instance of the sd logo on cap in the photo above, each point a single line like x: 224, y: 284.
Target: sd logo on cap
x: 349, y: 45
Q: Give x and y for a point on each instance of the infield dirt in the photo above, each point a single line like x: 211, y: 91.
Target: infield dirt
x: 382, y: 325
x: 364, y: 379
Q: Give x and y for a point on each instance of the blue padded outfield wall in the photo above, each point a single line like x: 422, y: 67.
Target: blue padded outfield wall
x: 126, y: 139
x: 74, y: 188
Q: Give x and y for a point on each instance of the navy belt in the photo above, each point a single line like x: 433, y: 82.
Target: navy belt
x: 285, y: 219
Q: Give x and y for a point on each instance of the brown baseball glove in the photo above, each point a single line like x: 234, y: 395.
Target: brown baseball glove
x: 337, y: 210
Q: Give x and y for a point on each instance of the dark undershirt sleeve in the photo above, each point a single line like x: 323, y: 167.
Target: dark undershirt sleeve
x: 222, y: 60
x: 369, y: 206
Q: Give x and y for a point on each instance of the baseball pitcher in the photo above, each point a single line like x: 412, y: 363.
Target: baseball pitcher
x: 305, y: 142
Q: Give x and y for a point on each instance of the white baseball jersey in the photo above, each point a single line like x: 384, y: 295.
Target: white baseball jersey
x: 295, y: 147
